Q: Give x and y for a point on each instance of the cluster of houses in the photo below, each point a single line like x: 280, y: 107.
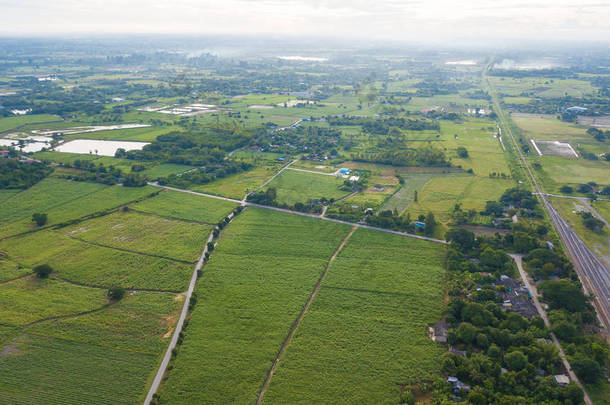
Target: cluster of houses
x: 4, y: 153
x: 516, y: 297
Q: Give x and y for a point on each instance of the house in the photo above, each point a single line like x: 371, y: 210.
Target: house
x: 419, y: 224
x: 561, y: 379
x: 354, y: 178
x: 378, y: 187
x: 457, y: 352
x: 438, y: 332
x: 458, y: 385
x: 576, y: 110
x: 4, y: 153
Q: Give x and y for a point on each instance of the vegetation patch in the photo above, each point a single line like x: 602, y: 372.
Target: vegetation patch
x: 365, y: 333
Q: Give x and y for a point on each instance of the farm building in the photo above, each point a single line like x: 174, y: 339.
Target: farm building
x: 438, y: 332
x: 561, y: 379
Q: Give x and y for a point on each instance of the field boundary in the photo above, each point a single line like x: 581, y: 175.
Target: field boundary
x: 153, y: 214
x: 299, y: 318
x: 135, y: 252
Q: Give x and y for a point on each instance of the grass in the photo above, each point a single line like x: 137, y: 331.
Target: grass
x: 9, y: 123
x: 63, y: 201
x: 237, y: 185
x: 143, y: 233
x: 186, y: 206
x: 42, y: 197
x: 10, y: 270
x: 141, y: 322
x: 549, y: 128
x: 6, y: 194
x: 603, y: 209
x: 401, y: 199
x: 146, y: 134
x: 97, y: 266
x: 251, y: 291
x: 294, y: 186
x: 440, y: 194
x: 30, y: 299
x: 558, y: 171
x: 104, y: 357
x: 370, y: 317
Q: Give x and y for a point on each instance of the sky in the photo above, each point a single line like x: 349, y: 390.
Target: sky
x: 407, y: 20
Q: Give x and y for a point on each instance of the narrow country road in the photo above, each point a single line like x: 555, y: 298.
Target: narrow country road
x: 534, y: 294
x: 179, y: 325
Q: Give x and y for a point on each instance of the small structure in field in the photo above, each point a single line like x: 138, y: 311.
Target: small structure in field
x: 561, y: 379
x: 438, y: 332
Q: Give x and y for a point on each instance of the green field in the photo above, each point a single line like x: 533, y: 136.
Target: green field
x: 549, y: 128
x: 365, y: 334
x: 185, y: 206
x: 557, y: 171
x: 104, y: 357
x: 143, y: 233
x: 165, y: 169
x: 6, y: 124
x: 603, y: 209
x: 83, y: 263
x: 440, y: 194
x: 10, y: 270
x: 31, y: 299
x: 293, y: 186
x: 403, y: 197
x: 237, y: 185
x: 251, y: 291
x: 63, y: 201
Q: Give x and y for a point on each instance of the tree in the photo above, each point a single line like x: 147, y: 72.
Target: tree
x: 43, y: 270
x: 415, y: 196
x: 116, y: 293
x: 462, y: 152
x: 39, y: 218
x: 476, y: 398
x: 566, y: 189
x: 462, y: 238
x: 588, y: 370
x: 466, y: 332
x: 430, y: 223
x: 563, y: 294
x: 516, y: 360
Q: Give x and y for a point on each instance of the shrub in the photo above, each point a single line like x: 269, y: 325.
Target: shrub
x: 116, y: 293
x: 39, y: 218
x: 43, y: 271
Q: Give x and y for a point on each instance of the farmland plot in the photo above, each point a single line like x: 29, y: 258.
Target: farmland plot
x: 93, y: 265
x: 186, y: 206
x: 251, y: 291
x: 105, y: 357
x: 146, y: 234
x: 62, y: 201
x: 293, y: 186
x: 365, y: 333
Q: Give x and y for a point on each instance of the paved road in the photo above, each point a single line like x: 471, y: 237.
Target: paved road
x: 314, y: 172
x: 303, y: 214
x: 593, y: 274
x: 534, y: 293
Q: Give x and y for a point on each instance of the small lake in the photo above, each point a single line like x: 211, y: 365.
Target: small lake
x: 31, y: 143
x: 98, y: 147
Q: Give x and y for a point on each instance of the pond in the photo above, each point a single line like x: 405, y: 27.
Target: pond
x: 98, y: 147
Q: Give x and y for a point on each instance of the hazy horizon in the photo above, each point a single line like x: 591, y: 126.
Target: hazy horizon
x: 401, y: 21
